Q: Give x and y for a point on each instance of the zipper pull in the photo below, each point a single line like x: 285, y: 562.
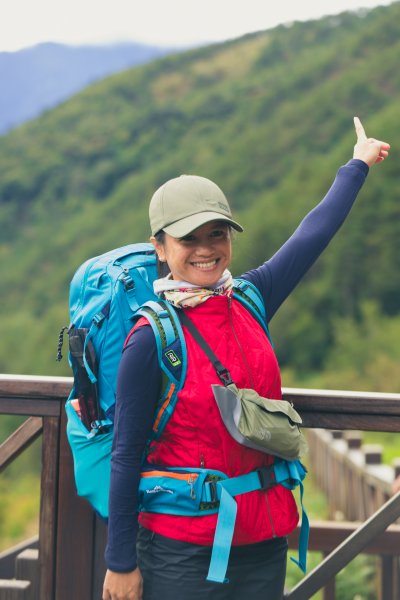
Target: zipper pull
x: 202, y: 461
x: 191, y: 481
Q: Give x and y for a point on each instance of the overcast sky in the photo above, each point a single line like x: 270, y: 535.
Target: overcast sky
x: 159, y: 22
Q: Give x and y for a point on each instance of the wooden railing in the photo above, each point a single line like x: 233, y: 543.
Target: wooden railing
x: 350, y: 473
x: 71, y: 539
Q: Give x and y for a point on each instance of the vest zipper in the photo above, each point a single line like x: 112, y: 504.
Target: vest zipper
x: 238, y: 343
x: 252, y: 383
x: 202, y: 461
x: 269, y: 514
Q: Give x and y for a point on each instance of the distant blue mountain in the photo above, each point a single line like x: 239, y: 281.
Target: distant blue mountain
x: 38, y: 78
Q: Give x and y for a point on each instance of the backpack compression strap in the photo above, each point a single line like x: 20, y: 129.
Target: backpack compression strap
x: 172, y: 357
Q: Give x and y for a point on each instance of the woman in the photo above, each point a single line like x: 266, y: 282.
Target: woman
x: 191, y: 227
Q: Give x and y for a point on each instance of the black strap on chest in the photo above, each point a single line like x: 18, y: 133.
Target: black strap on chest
x: 222, y: 372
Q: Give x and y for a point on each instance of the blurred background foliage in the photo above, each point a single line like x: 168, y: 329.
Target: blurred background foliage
x: 267, y: 116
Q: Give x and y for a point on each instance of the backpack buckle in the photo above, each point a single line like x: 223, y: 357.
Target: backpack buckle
x: 98, y: 318
x: 213, y: 491
x: 223, y: 374
x: 267, y: 477
x: 226, y: 377
x: 127, y: 281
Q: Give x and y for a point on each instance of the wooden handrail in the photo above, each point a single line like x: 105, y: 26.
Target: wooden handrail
x: 329, y: 409
x: 16, y: 443
x: 325, y: 536
x: 34, y: 386
x: 336, y: 409
x: 33, y: 395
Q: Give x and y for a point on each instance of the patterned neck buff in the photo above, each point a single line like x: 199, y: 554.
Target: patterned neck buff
x: 183, y: 294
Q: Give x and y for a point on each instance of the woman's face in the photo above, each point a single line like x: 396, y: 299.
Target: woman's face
x: 201, y: 256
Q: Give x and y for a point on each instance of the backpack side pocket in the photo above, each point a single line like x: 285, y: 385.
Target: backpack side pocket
x: 92, y: 460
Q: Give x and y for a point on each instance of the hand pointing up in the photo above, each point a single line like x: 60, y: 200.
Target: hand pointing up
x: 369, y: 150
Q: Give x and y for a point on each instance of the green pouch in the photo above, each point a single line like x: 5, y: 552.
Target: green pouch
x: 271, y: 426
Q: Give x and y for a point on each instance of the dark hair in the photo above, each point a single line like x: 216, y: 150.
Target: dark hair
x: 162, y: 267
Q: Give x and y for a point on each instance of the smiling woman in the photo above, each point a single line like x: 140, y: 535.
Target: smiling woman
x: 200, y: 258
x: 191, y: 224
x: 166, y: 552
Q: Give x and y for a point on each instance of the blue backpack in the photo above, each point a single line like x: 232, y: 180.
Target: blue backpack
x: 108, y: 294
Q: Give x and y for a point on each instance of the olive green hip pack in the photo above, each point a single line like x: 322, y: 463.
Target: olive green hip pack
x: 264, y: 424
x: 271, y: 426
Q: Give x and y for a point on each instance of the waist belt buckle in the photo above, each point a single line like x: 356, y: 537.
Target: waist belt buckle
x: 267, y: 477
x: 213, y: 491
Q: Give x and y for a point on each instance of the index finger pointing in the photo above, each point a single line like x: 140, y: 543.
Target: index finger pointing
x: 361, y: 135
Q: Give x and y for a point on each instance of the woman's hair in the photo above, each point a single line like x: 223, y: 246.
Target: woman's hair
x: 162, y: 267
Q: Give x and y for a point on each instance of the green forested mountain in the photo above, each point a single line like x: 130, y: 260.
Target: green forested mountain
x: 269, y: 118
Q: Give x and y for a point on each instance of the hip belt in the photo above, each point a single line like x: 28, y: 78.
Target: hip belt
x: 199, y: 492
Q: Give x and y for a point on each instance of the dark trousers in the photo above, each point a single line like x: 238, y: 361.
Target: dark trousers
x: 174, y: 570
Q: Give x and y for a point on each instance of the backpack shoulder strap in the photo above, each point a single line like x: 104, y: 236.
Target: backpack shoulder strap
x: 249, y: 296
x: 172, y: 357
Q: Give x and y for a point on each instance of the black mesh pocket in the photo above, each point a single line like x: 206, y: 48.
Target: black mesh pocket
x: 86, y: 392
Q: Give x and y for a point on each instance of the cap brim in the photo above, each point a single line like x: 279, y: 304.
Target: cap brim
x: 188, y: 224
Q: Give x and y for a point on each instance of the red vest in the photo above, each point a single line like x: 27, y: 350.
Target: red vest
x: 196, y: 436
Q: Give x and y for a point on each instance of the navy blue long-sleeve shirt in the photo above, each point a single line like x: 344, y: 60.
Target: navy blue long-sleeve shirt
x: 139, y: 377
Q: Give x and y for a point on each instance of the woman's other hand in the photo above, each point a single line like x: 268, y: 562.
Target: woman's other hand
x: 369, y: 150
x: 123, y: 586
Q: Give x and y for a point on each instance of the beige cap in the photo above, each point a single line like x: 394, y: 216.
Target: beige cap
x: 187, y: 202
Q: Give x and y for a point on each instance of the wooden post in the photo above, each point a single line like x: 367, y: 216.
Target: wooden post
x: 387, y: 591
x: 396, y: 475
x: 11, y: 589
x: 99, y: 565
x: 353, y: 439
x: 27, y: 568
x: 396, y: 467
x: 373, y: 454
x: 75, y: 532
x: 396, y: 576
x: 8, y: 557
x: 329, y: 591
x: 48, y: 507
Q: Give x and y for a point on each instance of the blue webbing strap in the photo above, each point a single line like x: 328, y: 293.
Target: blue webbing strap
x: 289, y: 474
x: 249, y: 296
x: 222, y: 538
x: 167, y: 330
x: 171, y: 330
x: 304, y: 535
